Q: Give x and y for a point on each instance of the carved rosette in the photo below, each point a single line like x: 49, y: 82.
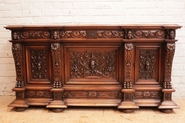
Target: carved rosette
x: 147, y: 64
x: 56, y: 59
x: 18, y: 59
x: 170, y: 50
x: 38, y: 64
x: 92, y: 64
x: 129, y: 60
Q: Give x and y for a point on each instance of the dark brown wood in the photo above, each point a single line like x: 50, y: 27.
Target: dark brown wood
x: 125, y: 66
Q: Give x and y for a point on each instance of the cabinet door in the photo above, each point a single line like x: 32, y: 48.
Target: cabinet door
x: 92, y: 64
x: 37, y: 64
x: 148, y: 64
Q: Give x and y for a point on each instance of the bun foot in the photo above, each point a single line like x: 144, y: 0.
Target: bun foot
x: 19, y: 109
x: 167, y: 110
x: 57, y: 110
x: 127, y: 110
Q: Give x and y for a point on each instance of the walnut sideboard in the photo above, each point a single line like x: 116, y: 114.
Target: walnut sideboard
x: 125, y: 66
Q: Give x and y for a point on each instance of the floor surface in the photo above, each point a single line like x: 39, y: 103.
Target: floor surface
x: 89, y: 115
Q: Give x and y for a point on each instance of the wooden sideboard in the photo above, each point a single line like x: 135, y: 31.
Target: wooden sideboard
x: 125, y: 66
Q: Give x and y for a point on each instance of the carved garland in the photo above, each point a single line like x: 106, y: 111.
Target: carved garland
x: 56, y: 56
x: 128, y: 64
x: 18, y: 59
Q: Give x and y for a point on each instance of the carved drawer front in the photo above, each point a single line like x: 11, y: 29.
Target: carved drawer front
x: 38, y: 66
x: 148, y: 94
x: 92, y: 64
x: 148, y: 64
x: 38, y: 94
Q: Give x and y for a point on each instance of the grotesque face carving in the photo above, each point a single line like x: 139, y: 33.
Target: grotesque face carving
x: 129, y: 35
x: 172, y: 34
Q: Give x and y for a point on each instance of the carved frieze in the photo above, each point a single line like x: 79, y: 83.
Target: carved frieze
x: 56, y: 59
x: 35, y: 34
x: 146, y: 64
x: 38, y: 64
x: 18, y: 59
x: 38, y: 94
x: 92, y: 64
x: 92, y: 94
x: 147, y: 94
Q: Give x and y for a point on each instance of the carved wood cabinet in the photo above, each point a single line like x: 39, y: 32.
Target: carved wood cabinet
x: 126, y: 66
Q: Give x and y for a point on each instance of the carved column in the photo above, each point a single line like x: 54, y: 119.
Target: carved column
x: 17, y: 50
x: 127, y: 104
x: 167, y: 104
x: 57, y: 104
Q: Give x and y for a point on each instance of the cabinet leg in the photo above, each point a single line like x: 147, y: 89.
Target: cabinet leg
x: 127, y: 110
x: 57, y: 110
x: 19, y: 109
x: 166, y: 110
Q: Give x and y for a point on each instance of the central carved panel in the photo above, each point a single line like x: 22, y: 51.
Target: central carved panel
x: 147, y: 64
x: 92, y: 64
x: 38, y: 64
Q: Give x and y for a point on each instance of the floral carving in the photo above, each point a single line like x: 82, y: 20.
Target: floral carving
x: 92, y: 64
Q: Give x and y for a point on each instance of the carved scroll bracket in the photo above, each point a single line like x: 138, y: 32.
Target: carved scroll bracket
x: 170, y: 50
x: 18, y: 59
x: 56, y: 59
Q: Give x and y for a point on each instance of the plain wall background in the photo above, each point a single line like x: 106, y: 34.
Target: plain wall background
x: 35, y: 12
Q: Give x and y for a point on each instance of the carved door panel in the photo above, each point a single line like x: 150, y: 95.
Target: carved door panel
x: 148, y: 64
x: 93, y: 64
x: 38, y: 65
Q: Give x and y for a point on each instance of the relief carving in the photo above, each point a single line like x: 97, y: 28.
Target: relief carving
x: 56, y: 59
x: 38, y: 64
x: 171, y: 34
x: 92, y: 94
x: 18, y: 59
x: 145, y: 34
x: 147, y: 94
x: 35, y: 34
x: 38, y: 94
x: 92, y: 64
x: 55, y: 35
x: 147, y: 64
